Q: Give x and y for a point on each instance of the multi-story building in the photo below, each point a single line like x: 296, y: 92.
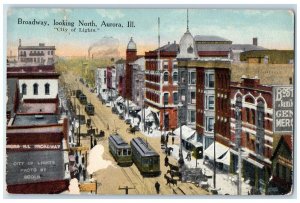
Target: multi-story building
x: 37, y: 87
x: 203, y: 89
x: 161, y: 79
x: 256, y: 137
x: 282, y: 167
x: 131, y: 56
x: 101, y: 83
x: 120, y: 77
x: 138, y: 81
x: 36, y: 55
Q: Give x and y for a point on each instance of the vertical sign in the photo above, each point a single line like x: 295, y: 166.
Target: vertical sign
x: 283, y: 105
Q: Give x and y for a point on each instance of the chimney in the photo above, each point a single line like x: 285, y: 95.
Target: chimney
x: 20, y: 42
x: 255, y: 41
x: 174, y: 41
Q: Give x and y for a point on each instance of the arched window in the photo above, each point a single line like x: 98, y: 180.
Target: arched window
x: 47, y: 89
x: 175, y: 77
x: 35, y: 89
x: 166, y: 98
x: 166, y: 75
x: 24, y: 89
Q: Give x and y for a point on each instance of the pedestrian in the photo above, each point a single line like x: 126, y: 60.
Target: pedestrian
x: 167, y: 139
x: 157, y: 186
x: 76, y: 158
x: 97, y: 131
x: 95, y: 142
x: 173, y: 139
x: 82, y: 159
x: 80, y: 169
x: 166, y: 161
x: 84, y: 173
x: 107, y: 127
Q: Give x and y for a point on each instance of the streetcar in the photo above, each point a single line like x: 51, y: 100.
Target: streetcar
x: 78, y: 93
x: 89, y: 109
x: 145, y: 158
x: 82, y: 99
x: 120, y: 150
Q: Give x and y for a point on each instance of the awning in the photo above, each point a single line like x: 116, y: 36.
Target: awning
x: 255, y: 163
x: 153, y: 109
x: 186, y: 132
x: 195, y: 143
x: 147, y: 112
x: 220, y: 150
x: 225, y: 159
x: 119, y: 99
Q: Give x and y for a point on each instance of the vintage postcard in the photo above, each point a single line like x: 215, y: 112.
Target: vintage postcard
x: 136, y: 101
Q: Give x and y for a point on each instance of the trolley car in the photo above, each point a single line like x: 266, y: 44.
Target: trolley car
x: 82, y: 99
x: 145, y: 158
x: 89, y: 109
x: 120, y: 150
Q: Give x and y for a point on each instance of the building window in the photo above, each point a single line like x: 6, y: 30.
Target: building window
x: 209, y: 127
x: 210, y: 80
x: 175, y: 77
x: 48, y: 52
x: 253, y: 116
x: 35, y: 89
x: 248, y: 115
x: 192, y: 116
x: 166, y: 75
x: 47, y: 89
x: 24, y: 89
x: 193, y: 97
x: 192, y: 78
x: 175, y: 97
x: 51, y: 52
x: 166, y: 98
x: 210, y: 102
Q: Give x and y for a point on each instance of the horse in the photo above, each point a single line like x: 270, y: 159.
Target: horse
x: 173, y: 167
x: 170, y: 180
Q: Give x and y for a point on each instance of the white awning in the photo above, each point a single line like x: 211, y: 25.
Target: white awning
x: 186, y: 132
x: 220, y: 150
x: 119, y: 99
x: 255, y: 163
x: 147, y: 112
x: 225, y: 159
x: 195, y: 143
x: 153, y: 109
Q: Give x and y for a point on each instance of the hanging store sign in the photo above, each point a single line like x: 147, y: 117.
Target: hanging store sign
x: 283, y: 106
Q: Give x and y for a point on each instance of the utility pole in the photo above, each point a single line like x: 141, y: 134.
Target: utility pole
x: 126, y: 188
x: 79, y: 118
x: 238, y: 131
x: 214, y: 155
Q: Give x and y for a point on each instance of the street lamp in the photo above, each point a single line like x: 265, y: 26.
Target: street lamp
x: 180, y: 160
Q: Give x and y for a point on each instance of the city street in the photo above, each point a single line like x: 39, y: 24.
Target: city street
x: 112, y: 178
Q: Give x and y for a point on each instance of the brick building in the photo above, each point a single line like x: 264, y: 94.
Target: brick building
x: 161, y: 78
x: 131, y: 56
x: 257, y: 136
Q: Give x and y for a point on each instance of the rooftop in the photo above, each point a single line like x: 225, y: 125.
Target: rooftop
x: 33, y: 120
x: 210, y: 38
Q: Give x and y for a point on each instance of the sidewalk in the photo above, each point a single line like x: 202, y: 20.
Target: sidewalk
x: 225, y: 182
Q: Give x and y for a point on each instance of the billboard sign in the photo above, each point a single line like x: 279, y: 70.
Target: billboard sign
x: 283, y: 109
x: 34, y: 166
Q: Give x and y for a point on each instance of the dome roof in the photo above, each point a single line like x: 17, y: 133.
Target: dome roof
x: 187, y: 48
x: 131, y: 44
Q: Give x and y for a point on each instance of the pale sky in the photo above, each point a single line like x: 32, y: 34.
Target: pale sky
x: 273, y: 28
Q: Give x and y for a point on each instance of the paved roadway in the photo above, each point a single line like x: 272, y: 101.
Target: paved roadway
x: 113, y: 177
